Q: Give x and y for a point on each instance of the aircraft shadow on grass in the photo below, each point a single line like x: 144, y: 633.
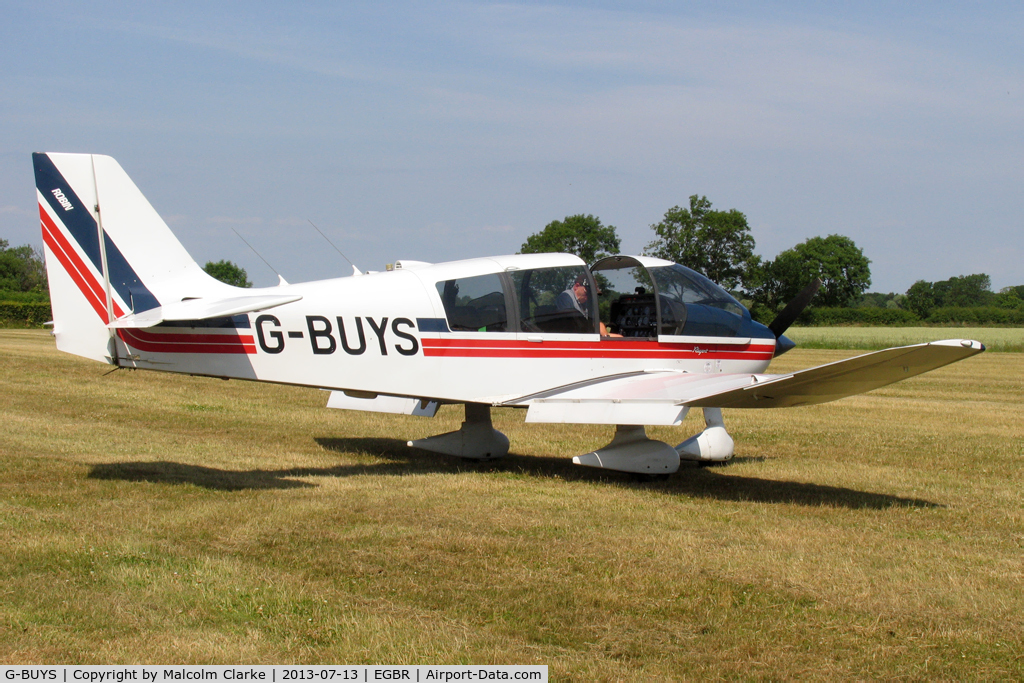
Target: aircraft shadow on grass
x: 399, y: 459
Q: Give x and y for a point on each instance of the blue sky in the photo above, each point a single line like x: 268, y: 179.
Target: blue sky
x: 437, y: 131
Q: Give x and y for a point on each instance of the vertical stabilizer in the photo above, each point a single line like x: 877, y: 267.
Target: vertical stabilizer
x: 108, y: 253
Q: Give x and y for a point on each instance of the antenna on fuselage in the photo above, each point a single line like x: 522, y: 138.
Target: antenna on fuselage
x: 280, y: 278
x: 355, y: 270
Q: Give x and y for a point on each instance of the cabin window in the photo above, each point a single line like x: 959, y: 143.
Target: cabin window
x: 559, y: 300
x: 474, y: 304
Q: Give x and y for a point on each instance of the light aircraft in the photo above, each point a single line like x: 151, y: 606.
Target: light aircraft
x: 482, y: 332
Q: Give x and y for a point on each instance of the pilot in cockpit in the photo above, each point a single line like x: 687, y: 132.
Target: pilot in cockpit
x: 575, y: 297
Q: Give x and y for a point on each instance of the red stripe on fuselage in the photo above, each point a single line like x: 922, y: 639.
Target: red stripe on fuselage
x: 492, y: 348
x: 187, y: 343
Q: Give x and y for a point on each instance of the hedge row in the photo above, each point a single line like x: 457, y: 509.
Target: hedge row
x: 826, y: 317
x: 980, y: 315
x: 24, y: 314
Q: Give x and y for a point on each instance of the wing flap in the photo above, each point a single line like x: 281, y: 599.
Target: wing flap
x: 203, y: 309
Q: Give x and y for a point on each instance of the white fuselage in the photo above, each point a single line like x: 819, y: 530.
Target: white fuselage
x: 387, y: 333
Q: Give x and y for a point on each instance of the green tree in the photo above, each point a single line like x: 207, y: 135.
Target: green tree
x: 964, y: 291
x: 844, y: 271
x: 875, y: 300
x: 583, y: 235
x: 228, y: 272
x: 1008, y: 297
x: 716, y: 243
x: 899, y: 301
x: 21, y: 269
x: 921, y: 298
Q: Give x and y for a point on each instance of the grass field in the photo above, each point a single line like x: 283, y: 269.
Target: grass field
x: 1000, y: 339
x: 153, y: 518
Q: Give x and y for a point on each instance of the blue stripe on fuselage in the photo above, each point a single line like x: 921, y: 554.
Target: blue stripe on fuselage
x: 432, y: 325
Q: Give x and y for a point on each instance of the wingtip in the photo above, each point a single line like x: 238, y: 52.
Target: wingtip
x: 965, y: 343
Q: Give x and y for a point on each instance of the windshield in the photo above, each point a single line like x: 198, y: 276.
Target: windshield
x: 693, y: 305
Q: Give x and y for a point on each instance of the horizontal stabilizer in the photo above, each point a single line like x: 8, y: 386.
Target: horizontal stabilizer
x: 203, y: 309
x: 662, y: 398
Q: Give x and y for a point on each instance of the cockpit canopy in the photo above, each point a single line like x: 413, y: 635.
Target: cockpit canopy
x: 651, y: 297
x: 639, y: 297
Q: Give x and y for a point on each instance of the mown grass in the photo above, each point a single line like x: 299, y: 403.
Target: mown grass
x: 1002, y: 339
x: 159, y: 518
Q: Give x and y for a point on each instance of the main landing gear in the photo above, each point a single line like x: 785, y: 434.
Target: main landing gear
x: 631, y: 451
x: 477, y: 439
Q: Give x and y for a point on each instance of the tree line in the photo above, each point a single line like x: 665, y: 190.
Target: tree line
x: 966, y: 291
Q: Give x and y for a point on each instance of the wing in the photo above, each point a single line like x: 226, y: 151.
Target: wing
x: 662, y: 398
x: 203, y: 309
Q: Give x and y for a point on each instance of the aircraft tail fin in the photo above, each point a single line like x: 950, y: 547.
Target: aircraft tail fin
x: 108, y: 252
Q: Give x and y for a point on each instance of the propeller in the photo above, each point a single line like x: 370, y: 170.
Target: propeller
x: 790, y: 313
